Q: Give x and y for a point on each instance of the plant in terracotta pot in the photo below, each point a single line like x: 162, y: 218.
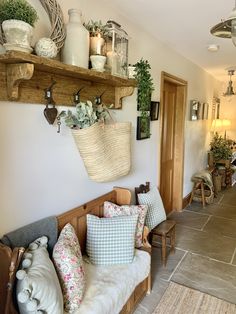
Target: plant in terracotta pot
x: 97, y: 32
x: 17, y: 18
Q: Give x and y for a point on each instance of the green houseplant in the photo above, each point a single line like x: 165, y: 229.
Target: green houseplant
x: 144, y: 84
x: 96, y: 28
x: 145, y: 87
x: 220, y: 148
x: 18, y: 18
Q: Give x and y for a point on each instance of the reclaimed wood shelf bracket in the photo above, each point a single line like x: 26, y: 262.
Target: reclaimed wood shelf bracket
x: 16, y: 73
x: 26, y: 76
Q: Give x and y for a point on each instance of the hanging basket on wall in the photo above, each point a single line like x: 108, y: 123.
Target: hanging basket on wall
x: 105, y: 150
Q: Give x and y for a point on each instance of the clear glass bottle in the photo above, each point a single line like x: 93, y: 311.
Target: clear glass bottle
x: 76, y: 47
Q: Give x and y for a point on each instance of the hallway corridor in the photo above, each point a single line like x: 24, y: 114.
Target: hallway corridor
x: 205, y: 257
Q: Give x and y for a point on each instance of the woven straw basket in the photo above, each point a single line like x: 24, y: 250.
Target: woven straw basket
x: 208, y: 192
x: 105, y: 150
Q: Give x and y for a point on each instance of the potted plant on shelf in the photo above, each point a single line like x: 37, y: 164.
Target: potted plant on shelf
x: 145, y: 87
x: 17, y: 18
x: 97, y: 32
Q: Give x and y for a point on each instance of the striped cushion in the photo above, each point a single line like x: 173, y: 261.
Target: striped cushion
x: 156, y: 211
x: 111, y: 240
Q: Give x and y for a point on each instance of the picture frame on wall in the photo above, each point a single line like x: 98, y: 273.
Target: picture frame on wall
x: 205, y: 111
x: 215, y: 108
x: 143, y: 128
x: 154, y: 110
x: 194, y: 110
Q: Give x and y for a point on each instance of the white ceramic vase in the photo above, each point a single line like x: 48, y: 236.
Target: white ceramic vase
x: 18, y: 35
x: 76, y: 47
x: 98, y: 62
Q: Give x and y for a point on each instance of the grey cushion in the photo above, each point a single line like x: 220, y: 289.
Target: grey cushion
x: 24, y: 236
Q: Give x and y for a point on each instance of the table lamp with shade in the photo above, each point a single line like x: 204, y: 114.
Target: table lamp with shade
x: 220, y: 125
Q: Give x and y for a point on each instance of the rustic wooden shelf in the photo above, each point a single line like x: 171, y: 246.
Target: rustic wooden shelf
x: 26, y: 76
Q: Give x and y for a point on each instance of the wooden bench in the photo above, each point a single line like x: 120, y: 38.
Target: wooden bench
x: 77, y: 218
x: 165, y: 230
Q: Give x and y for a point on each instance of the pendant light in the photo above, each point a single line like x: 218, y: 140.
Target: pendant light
x: 230, y: 90
x: 226, y: 28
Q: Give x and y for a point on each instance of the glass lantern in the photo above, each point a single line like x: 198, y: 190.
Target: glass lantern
x: 117, y: 50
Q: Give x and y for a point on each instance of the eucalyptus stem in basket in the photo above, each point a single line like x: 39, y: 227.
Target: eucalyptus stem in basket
x: 85, y: 115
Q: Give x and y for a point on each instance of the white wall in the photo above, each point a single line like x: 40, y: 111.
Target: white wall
x: 41, y: 171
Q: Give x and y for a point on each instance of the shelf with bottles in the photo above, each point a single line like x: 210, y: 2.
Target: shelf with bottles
x: 26, y: 76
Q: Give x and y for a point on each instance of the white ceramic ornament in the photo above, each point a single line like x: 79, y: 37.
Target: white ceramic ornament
x: 45, y: 47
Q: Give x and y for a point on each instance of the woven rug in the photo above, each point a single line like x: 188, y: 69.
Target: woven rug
x: 179, y: 299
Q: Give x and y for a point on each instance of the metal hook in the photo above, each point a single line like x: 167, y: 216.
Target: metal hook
x: 77, y: 96
x: 48, y: 94
x: 98, y: 99
x: 50, y: 113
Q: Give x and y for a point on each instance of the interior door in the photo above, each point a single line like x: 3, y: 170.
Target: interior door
x: 168, y: 144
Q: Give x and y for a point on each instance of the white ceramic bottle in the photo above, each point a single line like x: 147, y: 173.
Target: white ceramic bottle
x: 76, y: 47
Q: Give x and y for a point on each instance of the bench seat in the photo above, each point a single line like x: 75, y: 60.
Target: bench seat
x: 109, y: 287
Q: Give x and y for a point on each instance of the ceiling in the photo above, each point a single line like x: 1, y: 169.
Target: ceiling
x: 185, y: 26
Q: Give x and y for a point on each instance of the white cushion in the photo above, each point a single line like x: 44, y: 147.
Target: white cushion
x: 38, y: 288
x: 109, y: 287
x: 156, y: 211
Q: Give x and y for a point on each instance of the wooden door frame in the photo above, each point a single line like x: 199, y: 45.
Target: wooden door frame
x: 180, y: 114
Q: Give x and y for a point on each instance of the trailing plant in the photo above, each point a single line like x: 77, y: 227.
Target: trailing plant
x: 85, y: 115
x: 145, y: 86
x: 220, y: 147
x: 17, y: 10
x: 96, y: 27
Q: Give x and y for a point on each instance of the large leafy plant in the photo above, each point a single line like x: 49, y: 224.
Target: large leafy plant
x: 145, y: 86
x: 220, y: 147
x: 85, y: 115
x: 17, y: 10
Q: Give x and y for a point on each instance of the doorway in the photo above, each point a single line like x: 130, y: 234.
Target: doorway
x: 172, y: 119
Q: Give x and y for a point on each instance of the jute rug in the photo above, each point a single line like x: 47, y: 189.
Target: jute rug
x: 179, y: 299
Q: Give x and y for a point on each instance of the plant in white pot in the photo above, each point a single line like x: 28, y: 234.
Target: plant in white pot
x: 17, y: 18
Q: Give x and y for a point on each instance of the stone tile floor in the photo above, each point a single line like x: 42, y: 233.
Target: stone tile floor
x: 205, y: 256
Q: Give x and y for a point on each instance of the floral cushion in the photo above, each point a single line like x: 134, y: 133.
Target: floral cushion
x: 113, y: 210
x: 69, y: 265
